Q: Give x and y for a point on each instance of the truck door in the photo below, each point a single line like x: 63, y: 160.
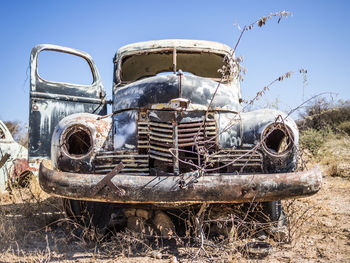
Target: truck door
x: 51, y: 100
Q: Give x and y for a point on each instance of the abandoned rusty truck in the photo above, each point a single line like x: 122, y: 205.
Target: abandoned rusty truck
x: 177, y: 134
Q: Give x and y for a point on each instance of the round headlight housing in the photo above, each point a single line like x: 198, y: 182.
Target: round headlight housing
x: 77, y: 141
x: 277, y: 139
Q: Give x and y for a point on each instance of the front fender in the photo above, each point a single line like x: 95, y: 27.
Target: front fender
x: 248, y: 130
x: 245, y: 129
x: 99, y: 131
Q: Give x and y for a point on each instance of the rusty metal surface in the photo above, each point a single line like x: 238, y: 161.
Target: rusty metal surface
x: 51, y: 101
x: 157, y: 89
x: 13, y: 158
x: 180, y: 138
x: 107, y: 181
x: 201, y: 45
x: 168, y: 190
x: 98, y: 132
x: 174, y: 46
x: 166, y: 136
x: 134, y: 163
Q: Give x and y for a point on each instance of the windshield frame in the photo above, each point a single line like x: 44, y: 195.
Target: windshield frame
x: 181, y: 46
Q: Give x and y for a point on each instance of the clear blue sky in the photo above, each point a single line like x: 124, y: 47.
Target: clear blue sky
x: 316, y: 37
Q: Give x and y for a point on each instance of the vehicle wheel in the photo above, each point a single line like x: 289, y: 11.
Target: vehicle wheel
x: 98, y: 214
x: 274, y: 211
x: 73, y: 209
x: 278, y: 229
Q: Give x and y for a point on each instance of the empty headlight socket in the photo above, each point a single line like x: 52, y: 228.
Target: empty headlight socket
x: 277, y: 139
x: 77, y: 141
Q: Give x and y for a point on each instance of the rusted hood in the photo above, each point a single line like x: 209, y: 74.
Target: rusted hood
x: 163, y: 88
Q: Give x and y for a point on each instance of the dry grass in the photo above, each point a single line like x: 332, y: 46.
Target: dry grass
x: 335, y: 155
x: 25, y: 215
x: 33, y: 228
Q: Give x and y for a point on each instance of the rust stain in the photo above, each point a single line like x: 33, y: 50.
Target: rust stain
x: 171, y: 138
x: 163, y: 189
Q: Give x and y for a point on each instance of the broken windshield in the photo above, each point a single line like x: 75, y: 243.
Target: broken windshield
x: 146, y: 64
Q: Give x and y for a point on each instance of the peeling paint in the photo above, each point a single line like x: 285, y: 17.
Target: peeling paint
x: 175, y: 143
x: 52, y: 101
x: 166, y: 191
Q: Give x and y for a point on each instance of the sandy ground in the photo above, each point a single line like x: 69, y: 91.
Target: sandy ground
x: 35, y: 231
x: 325, y: 236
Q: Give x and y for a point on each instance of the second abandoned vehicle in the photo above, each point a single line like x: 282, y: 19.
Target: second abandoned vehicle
x: 169, y: 141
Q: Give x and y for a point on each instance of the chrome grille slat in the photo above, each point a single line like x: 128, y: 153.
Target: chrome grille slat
x: 152, y: 147
x: 246, y: 165
x: 183, y: 135
x: 197, y: 124
x: 104, y: 162
x: 192, y: 139
x: 238, y: 158
x: 190, y: 144
x: 142, y: 142
x: 161, y: 153
x: 161, y: 124
x: 160, y: 158
x: 123, y: 156
x: 152, y: 129
x: 235, y: 155
x: 161, y: 139
x: 184, y: 130
x: 135, y: 169
x: 126, y: 165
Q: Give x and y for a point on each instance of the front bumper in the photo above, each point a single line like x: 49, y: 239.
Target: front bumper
x: 187, y: 189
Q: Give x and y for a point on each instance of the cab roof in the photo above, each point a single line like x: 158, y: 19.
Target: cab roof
x: 179, y: 44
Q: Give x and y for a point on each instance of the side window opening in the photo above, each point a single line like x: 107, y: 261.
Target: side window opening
x: 56, y: 66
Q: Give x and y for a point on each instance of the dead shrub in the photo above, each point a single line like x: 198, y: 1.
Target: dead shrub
x: 19, y: 131
x: 323, y: 113
x: 333, y: 169
x: 345, y: 127
x: 298, y: 214
x: 25, y: 213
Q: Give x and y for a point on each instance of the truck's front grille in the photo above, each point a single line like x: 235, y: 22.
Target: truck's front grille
x: 180, y: 146
x: 160, y: 138
x: 194, y: 133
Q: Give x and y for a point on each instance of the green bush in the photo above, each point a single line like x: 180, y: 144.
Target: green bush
x: 312, y: 140
x: 345, y: 127
x: 322, y: 113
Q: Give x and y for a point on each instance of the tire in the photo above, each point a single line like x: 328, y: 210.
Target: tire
x: 97, y: 214
x: 273, y: 210
x: 72, y: 208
